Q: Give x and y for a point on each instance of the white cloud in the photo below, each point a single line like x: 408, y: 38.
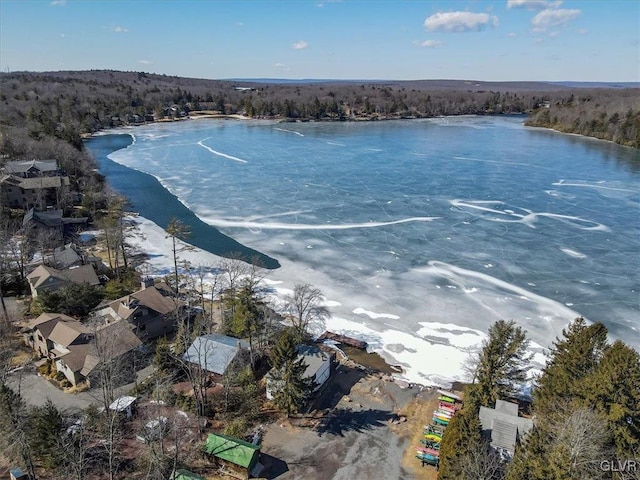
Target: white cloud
x: 300, y: 45
x: 428, y: 43
x: 554, y: 18
x: 119, y: 29
x: 583, y: 31
x: 62, y: 35
x: 58, y: 3
x: 459, y: 22
x: 512, y: 35
x: 145, y: 62
x: 533, y: 4
x: 239, y: 24
x: 279, y: 65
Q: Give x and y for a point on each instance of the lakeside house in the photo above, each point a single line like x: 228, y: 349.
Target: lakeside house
x: 32, y: 168
x: 32, y: 192
x: 152, y: 311
x: 504, y: 428
x: 215, y: 353
x: 318, y: 368
x: 76, y: 348
x: 49, y: 279
x: 50, y: 225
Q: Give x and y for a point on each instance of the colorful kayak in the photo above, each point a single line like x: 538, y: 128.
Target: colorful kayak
x: 442, y: 413
x: 433, y: 437
x: 425, y: 457
x: 428, y: 451
x: 439, y: 421
x: 430, y: 444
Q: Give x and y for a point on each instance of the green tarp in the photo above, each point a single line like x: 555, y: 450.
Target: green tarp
x: 232, y: 450
x: 186, y: 475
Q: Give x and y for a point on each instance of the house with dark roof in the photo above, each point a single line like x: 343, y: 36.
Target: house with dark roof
x: 51, y: 279
x: 30, y: 192
x: 151, y: 311
x: 32, y: 168
x: 318, y: 368
x: 51, y: 224
x: 215, y: 353
x: 503, y: 427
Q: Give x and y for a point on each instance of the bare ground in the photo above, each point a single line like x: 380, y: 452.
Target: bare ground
x: 352, y: 434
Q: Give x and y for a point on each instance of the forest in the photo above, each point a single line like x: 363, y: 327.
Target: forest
x: 64, y: 106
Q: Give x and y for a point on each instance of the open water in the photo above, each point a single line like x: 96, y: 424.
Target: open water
x: 420, y: 233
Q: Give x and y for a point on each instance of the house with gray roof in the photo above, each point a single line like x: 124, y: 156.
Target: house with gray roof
x: 32, y: 168
x: 215, y: 353
x: 29, y: 192
x: 318, y: 367
x: 504, y: 427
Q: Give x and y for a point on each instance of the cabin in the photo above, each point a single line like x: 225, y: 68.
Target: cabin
x: 503, y: 427
x: 237, y: 457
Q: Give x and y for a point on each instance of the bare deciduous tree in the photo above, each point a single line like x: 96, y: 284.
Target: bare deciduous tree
x: 305, y: 307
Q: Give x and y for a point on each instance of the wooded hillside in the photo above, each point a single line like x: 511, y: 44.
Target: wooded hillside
x: 65, y: 105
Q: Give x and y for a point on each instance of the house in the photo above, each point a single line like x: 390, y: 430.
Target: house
x: 318, y: 365
x: 125, y: 405
x: 152, y: 311
x: 236, y: 455
x: 504, y: 427
x: 65, y: 257
x: 50, y: 225
x: 32, y: 168
x: 76, y: 348
x: 30, y: 192
x: 215, y: 353
x: 36, y: 333
x: 114, y: 341
x: 51, y: 279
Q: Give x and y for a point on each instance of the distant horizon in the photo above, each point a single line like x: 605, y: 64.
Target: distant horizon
x: 514, y: 40
x: 632, y: 84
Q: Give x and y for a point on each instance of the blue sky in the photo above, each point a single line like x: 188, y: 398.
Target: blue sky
x: 592, y: 40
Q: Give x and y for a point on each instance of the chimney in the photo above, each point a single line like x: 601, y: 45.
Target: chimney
x: 146, y: 282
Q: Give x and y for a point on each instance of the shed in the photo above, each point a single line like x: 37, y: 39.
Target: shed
x: 235, y: 452
x: 125, y: 405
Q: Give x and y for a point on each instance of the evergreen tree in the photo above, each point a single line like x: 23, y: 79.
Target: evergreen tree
x: 572, y: 359
x: 613, y: 389
x: 46, y: 427
x: 289, y: 387
x: 502, y: 365
x: 463, y: 433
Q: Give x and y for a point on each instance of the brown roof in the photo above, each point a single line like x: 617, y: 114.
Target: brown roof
x: 79, y: 275
x: 112, y: 341
x: 117, y: 338
x: 46, y: 322
x: 66, y: 333
x: 157, y: 298
x: 77, y: 356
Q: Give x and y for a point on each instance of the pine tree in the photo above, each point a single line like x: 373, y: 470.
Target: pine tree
x: 463, y: 433
x: 613, y: 389
x: 46, y: 428
x: 291, y: 389
x: 502, y: 366
x: 572, y: 359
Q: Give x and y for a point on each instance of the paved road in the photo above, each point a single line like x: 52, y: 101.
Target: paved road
x: 36, y: 390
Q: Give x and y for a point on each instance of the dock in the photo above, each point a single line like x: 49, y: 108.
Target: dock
x: 343, y: 339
